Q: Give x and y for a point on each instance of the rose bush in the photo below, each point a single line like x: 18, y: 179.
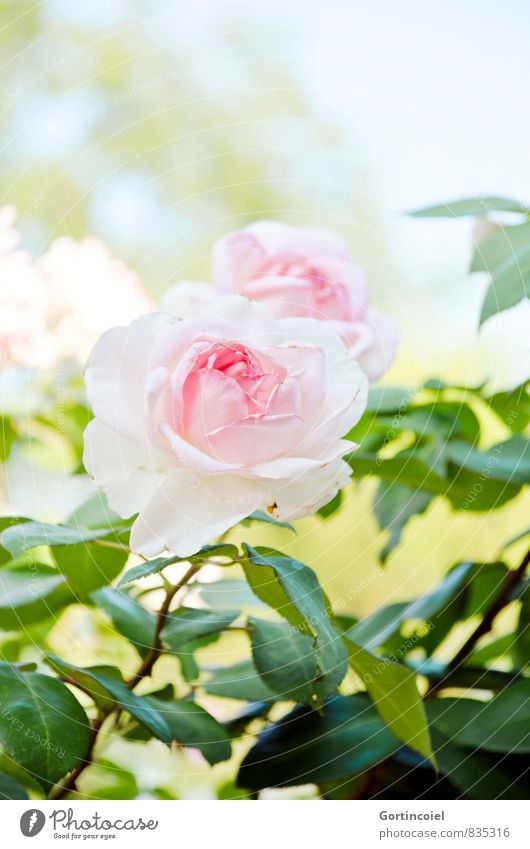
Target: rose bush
x: 307, y: 272
x: 200, y: 422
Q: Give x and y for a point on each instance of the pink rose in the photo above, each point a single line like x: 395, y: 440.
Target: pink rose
x: 307, y: 272
x: 202, y: 421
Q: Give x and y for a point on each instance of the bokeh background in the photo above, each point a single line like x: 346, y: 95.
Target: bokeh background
x: 159, y: 126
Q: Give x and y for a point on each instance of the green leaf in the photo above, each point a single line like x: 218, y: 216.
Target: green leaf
x: 471, y: 206
x: 261, y: 516
x: 513, y: 408
x: 509, y: 285
x: 31, y: 595
x: 389, y: 399
x: 491, y: 650
x: 346, y: 738
x: 22, y: 537
x: 521, y: 647
x: 505, y: 243
x: 88, y: 566
x: 84, y: 680
x: 394, y: 692
x: 153, y: 567
x: 506, y: 461
x: 129, y: 618
x: 284, y: 659
x: 384, y: 622
x: 137, y: 706
x: 7, y: 522
x: 11, y: 789
x: 7, y: 437
x: 394, y: 506
x: 240, y: 681
x: 191, y: 725
x: 42, y: 725
x: 402, y: 469
x: 188, y: 623
x: 299, y: 584
x: 475, y: 773
x: 499, y: 725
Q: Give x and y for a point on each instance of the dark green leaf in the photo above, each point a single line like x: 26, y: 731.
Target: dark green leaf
x: 521, y: 647
x: 189, y: 623
x: 137, y: 706
x: 394, y: 692
x: 346, y: 738
x: 240, y: 681
x: 84, y: 680
x: 42, y: 725
x: 478, y: 206
x: 11, y: 789
x: 284, y: 659
x: 394, y: 506
x: 380, y: 625
x: 475, y: 773
x: 191, y: 725
x: 506, y: 461
x: 128, y: 616
x: 499, y: 725
x: 301, y: 587
x: 404, y: 469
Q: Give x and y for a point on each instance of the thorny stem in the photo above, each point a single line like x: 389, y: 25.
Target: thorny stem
x: 145, y: 668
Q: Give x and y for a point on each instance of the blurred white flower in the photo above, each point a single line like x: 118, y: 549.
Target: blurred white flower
x: 25, y: 339
x: 88, y: 291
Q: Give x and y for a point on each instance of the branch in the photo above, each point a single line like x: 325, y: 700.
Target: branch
x: 145, y: 668
x: 510, y: 582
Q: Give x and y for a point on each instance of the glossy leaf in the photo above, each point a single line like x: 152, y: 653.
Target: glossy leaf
x: 154, y: 567
x: 189, y: 623
x: 128, y: 617
x: 42, y: 725
x: 501, y: 724
x: 346, y: 738
x: 394, y: 692
x: 306, y: 610
x: 284, y: 659
x: 240, y: 681
x: 191, y: 725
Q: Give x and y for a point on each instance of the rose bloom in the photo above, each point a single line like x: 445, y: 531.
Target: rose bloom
x: 200, y: 422
x: 88, y: 291
x: 307, y: 272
